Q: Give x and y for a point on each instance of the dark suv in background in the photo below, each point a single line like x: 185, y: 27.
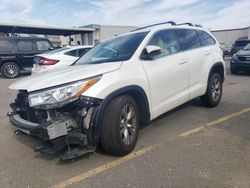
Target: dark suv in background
x: 17, y: 53
x: 238, y: 45
x: 241, y: 60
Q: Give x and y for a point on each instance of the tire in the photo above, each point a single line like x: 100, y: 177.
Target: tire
x: 119, y: 133
x: 10, y: 70
x: 213, y: 94
x: 234, y: 71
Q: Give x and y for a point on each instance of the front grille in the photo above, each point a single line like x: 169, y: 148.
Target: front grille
x: 26, y: 112
x: 22, y: 100
x: 23, y: 103
x: 244, y: 58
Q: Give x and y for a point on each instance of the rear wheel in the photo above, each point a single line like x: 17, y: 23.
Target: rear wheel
x: 213, y: 94
x: 10, y: 70
x: 120, y: 127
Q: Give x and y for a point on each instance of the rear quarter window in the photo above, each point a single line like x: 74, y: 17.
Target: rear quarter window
x: 24, y: 46
x: 82, y: 51
x: 6, y: 45
x: 188, y: 39
x: 205, y: 38
x: 72, y: 53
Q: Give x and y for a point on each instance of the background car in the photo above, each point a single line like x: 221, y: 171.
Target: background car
x: 61, y: 57
x: 238, y: 45
x: 17, y: 53
x: 226, y: 48
x: 241, y: 60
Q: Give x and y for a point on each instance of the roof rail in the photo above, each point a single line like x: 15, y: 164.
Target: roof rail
x: 169, y: 22
x: 187, y: 23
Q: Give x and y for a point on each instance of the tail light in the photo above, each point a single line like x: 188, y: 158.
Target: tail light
x: 48, y: 62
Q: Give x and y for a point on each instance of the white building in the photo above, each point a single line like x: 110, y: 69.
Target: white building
x: 230, y: 35
x: 100, y: 33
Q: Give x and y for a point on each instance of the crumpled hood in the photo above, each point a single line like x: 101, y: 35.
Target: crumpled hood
x: 63, y: 76
x: 243, y: 53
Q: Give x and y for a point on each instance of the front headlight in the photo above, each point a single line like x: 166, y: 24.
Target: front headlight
x: 62, y: 95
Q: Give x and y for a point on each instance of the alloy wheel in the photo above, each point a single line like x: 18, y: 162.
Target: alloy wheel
x: 216, y: 89
x: 128, y: 124
x: 10, y: 70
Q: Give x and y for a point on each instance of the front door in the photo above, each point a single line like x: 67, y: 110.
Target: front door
x: 167, y: 73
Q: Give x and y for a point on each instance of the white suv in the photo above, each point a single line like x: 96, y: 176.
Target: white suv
x: 118, y: 85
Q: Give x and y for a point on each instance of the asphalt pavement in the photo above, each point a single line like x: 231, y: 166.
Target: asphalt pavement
x: 191, y: 146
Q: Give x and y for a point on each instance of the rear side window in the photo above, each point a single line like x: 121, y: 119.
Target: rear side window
x: 166, y: 40
x: 6, y: 45
x: 71, y: 53
x: 82, y: 51
x: 188, y: 39
x: 42, y: 45
x: 24, y: 46
x: 205, y: 38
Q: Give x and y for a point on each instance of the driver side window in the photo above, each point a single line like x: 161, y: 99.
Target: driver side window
x: 167, y: 41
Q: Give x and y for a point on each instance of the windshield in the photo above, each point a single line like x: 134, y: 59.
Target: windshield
x: 241, y: 43
x: 120, y: 48
x: 247, y: 47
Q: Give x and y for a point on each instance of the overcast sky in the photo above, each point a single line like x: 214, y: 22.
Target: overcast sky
x: 214, y: 14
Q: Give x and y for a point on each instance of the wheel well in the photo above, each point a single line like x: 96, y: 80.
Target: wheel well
x: 140, y: 98
x: 8, y: 61
x: 218, y: 68
x: 142, y: 105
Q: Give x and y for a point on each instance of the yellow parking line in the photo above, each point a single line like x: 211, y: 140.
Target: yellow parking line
x: 213, y: 123
x: 104, y: 167
x: 187, y: 133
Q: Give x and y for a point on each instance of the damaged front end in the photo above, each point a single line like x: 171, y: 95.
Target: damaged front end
x: 67, y: 130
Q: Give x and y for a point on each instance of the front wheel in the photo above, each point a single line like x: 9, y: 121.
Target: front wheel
x: 119, y: 132
x: 213, y: 94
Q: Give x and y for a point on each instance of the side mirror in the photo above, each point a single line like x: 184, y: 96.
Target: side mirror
x: 51, y: 48
x: 151, y: 49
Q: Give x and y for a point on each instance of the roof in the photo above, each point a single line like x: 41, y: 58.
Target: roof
x: 79, y: 46
x: 45, y: 30
x: 166, y: 26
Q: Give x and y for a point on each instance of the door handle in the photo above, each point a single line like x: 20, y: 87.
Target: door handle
x: 207, y: 53
x: 182, y: 62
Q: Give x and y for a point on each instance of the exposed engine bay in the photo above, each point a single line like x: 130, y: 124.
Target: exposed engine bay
x: 67, y: 130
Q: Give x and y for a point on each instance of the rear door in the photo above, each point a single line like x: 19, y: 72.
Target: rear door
x: 167, y: 73
x: 199, y: 58
x: 7, y: 48
x: 25, y: 52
